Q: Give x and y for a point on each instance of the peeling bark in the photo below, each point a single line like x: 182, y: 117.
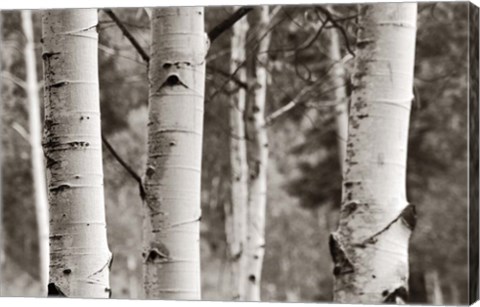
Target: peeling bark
x: 38, y: 168
x: 236, y: 212
x: 79, y: 254
x: 258, y: 157
x: 172, y: 179
x: 370, y: 246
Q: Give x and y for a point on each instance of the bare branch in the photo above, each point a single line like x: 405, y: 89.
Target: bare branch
x: 128, y: 35
x: 22, y: 131
x: 14, y: 79
x: 296, y: 100
x: 125, y: 166
x: 228, y: 75
x: 339, y: 27
x: 228, y: 23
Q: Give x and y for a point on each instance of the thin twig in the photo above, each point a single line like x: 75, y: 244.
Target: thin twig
x: 239, y: 82
x: 282, y: 110
x: 21, y: 131
x: 296, y: 100
x: 14, y: 79
x: 128, y: 35
x: 339, y: 27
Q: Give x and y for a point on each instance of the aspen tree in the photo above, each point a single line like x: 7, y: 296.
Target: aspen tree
x: 236, y: 211
x: 258, y: 156
x: 370, y: 247
x: 173, y: 174
x: 341, y: 108
x: 79, y: 255
x: 38, y: 168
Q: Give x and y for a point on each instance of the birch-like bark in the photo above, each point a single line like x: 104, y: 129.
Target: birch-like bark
x: 236, y: 211
x: 370, y: 247
x: 341, y: 108
x: 257, y: 199
x: 79, y: 255
x: 38, y: 168
x: 175, y: 128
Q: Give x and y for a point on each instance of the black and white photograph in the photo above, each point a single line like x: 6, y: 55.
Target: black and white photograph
x: 322, y: 153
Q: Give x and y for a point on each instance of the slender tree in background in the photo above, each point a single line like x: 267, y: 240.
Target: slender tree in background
x: 327, y: 213
x: 258, y: 158
x: 175, y: 128
x: 79, y: 255
x: 341, y: 108
x: 370, y: 247
x: 236, y: 210
x: 38, y: 168
x: 433, y: 288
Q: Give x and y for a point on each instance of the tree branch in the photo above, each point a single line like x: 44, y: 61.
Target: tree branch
x: 282, y: 110
x: 296, y: 100
x: 125, y: 166
x: 14, y: 79
x: 21, y: 131
x: 339, y: 27
x: 228, y: 23
x: 128, y: 35
x: 239, y: 82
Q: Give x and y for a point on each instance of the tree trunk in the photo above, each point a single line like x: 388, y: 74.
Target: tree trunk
x: 38, y: 168
x: 341, y: 109
x: 257, y: 199
x: 173, y: 175
x: 370, y: 247
x: 236, y: 211
x: 434, y: 288
x: 79, y: 255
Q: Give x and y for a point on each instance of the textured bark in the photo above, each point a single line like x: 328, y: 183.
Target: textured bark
x: 236, y: 211
x: 258, y: 158
x: 341, y: 109
x: 79, y: 255
x: 172, y: 179
x: 370, y: 247
x: 38, y: 168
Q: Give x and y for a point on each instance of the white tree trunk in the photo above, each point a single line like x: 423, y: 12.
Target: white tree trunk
x: 341, y: 108
x: 38, y: 168
x: 370, y: 247
x: 79, y: 255
x: 257, y: 199
x: 173, y: 175
x: 236, y: 211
